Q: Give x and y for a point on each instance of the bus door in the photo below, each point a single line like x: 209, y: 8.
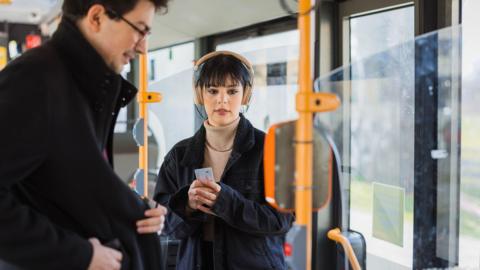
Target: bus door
x: 402, y: 133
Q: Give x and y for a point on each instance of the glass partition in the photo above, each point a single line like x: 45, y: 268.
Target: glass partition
x: 403, y: 189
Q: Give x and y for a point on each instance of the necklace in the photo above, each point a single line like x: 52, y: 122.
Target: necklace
x: 217, y: 150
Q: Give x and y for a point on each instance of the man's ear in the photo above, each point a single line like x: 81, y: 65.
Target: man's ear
x: 95, y: 16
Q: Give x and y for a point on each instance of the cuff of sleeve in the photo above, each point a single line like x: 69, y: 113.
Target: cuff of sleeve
x: 223, y: 199
x: 85, y: 258
x: 178, y: 204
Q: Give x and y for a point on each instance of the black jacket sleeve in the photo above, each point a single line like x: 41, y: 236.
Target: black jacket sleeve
x: 250, y: 216
x: 178, y: 223
x: 27, y: 237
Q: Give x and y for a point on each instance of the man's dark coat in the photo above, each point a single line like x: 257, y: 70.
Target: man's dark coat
x: 58, y: 107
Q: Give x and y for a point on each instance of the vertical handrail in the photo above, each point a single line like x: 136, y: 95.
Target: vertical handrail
x: 143, y: 114
x: 140, y: 130
x: 303, y: 134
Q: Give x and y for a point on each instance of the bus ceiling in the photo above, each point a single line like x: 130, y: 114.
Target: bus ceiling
x: 29, y: 11
x: 184, y: 20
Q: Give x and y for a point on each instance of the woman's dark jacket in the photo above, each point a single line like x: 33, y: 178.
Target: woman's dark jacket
x: 249, y: 234
x: 58, y: 107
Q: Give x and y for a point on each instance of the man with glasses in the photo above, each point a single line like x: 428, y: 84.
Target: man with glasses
x: 61, y: 204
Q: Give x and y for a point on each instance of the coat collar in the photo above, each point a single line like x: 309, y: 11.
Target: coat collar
x: 243, y: 142
x: 88, y: 68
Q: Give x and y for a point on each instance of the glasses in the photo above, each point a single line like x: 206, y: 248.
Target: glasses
x: 143, y: 33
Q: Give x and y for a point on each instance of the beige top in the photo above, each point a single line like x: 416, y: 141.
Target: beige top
x: 218, y: 147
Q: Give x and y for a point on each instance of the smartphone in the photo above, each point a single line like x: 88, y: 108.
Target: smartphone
x: 204, y: 174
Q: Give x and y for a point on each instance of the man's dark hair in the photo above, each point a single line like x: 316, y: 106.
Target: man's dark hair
x: 77, y: 9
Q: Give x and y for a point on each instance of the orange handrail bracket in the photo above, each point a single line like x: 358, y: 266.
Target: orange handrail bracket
x: 149, y: 97
x: 337, y: 236
x: 317, y: 102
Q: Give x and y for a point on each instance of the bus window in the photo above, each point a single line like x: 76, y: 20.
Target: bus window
x: 469, y: 236
x: 381, y: 149
x: 173, y: 78
x: 166, y: 62
x: 275, y: 60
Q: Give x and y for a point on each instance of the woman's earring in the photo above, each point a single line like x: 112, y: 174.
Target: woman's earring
x: 244, y: 109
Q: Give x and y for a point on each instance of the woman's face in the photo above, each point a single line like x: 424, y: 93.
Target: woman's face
x: 223, y: 103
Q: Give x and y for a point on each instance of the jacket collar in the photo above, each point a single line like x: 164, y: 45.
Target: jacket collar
x: 243, y: 142
x: 87, y: 66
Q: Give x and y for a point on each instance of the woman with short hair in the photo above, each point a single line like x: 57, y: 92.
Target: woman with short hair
x: 225, y: 223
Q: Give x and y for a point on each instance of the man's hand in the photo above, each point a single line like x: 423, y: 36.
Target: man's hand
x: 154, y: 221
x: 203, y: 195
x: 104, y: 258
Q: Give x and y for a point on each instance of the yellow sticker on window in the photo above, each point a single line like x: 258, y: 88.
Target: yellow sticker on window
x: 388, y: 213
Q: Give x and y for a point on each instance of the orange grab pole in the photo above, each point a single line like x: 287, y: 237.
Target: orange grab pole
x: 303, y: 134
x: 143, y: 113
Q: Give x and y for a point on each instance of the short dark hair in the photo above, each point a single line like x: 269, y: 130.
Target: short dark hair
x: 220, y: 68
x: 77, y: 9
